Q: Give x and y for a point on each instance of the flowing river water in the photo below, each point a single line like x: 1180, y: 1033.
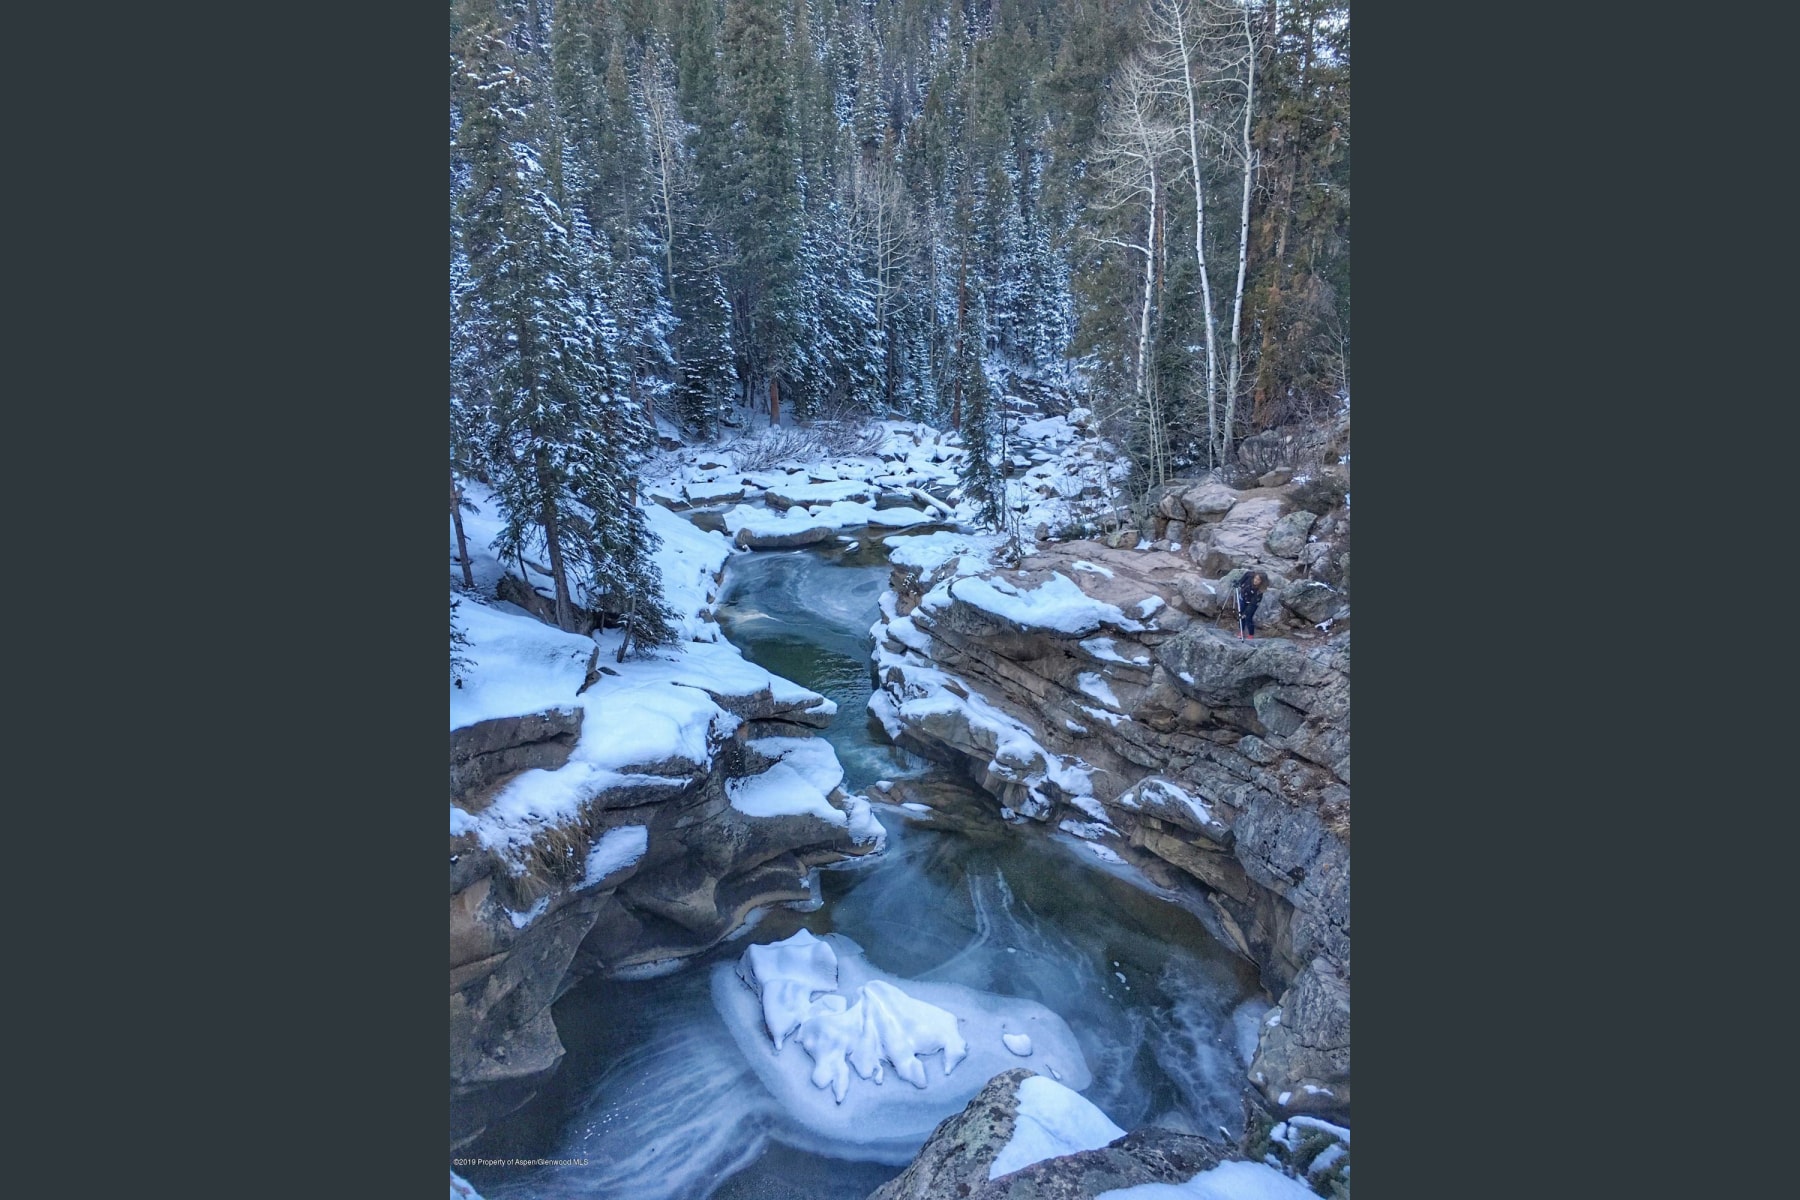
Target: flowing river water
x: 655, y: 1101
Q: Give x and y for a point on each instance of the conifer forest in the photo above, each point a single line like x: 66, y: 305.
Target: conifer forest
x: 680, y: 217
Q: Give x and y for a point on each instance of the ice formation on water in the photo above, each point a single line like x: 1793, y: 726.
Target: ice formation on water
x: 880, y: 1024
x: 854, y: 1023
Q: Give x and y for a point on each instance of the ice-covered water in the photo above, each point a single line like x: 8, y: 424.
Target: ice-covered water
x: 805, y: 615
x: 657, y: 1097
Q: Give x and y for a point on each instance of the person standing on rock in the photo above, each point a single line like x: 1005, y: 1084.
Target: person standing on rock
x: 1249, y: 594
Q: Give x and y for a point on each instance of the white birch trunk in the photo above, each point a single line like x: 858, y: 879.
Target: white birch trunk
x: 1237, y: 302
x: 1149, y: 281
x: 1184, y: 47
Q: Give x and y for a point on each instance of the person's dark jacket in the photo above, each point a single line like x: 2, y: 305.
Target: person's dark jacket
x: 1247, y: 597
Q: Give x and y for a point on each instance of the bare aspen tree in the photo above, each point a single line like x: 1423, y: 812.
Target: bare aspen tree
x: 1171, y: 36
x: 1136, y: 143
x: 1242, y: 58
x: 882, y: 229
x: 667, y: 135
x: 1203, y: 57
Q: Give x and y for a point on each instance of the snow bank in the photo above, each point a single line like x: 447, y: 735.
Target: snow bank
x: 521, y: 665
x: 823, y: 1029
x: 690, y: 559
x: 805, y: 494
x: 617, y: 849
x: 926, y: 552
x: 658, y: 712
x: 1227, y: 1181
x: 713, y: 491
x: 1106, y: 650
x: 1052, y: 1121
x: 781, y: 791
x: 812, y: 757
x: 801, y: 780
x: 1057, y: 604
x: 842, y: 514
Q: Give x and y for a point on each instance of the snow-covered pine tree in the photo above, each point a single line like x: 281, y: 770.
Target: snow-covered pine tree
x: 848, y: 344
x: 460, y: 662
x: 708, y: 382
x: 758, y: 194
x: 621, y: 579
x: 982, y: 481
x: 468, y: 390
x: 559, y: 438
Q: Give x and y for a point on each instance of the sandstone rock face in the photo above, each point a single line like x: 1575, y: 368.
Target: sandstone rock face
x: 1313, y: 600
x: 1195, y: 503
x: 1288, y: 537
x: 489, y: 752
x: 525, y: 927
x: 1223, y: 765
x: 1243, y: 531
x: 954, y: 1162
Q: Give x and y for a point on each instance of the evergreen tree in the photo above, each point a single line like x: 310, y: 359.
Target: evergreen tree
x: 460, y: 662
x: 825, y: 206
x: 1299, y: 292
x: 558, y: 439
x: 763, y: 213
x: 982, y: 481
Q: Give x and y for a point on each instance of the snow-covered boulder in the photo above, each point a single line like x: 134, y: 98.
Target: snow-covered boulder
x: 787, y: 495
x: 1026, y: 1137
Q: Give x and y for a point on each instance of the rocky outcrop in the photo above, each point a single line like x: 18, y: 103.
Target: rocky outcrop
x: 956, y: 1159
x: 488, y: 753
x: 1219, y: 766
x: 526, y: 922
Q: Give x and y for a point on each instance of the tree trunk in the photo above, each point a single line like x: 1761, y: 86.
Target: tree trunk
x: 1262, y: 410
x: 1235, y: 373
x: 1143, y: 355
x: 1158, y: 413
x: 559, y: 576
x: 565, y: 606
x: 1206, y: 301
x: 962, y: 301
x: 774, y: 400
x: 630, y: 616
x: 462, y: 542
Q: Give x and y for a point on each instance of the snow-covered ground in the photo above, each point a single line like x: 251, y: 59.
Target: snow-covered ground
x: 1062, y: 477
x: 1227, y: 1181
x: 654, y: 711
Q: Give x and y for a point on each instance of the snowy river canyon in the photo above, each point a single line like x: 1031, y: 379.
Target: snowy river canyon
x: 656, y: 1098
